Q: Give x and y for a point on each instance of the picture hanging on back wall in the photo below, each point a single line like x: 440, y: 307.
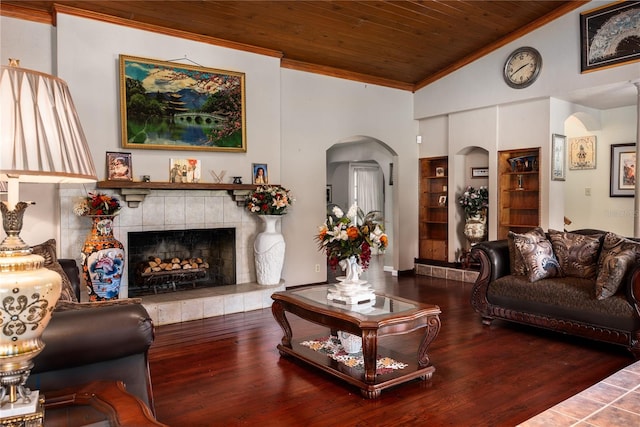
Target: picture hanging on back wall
x: 582, y: 152
x: 623, y: 170
x: 609, y: 35
x: 170, y: 106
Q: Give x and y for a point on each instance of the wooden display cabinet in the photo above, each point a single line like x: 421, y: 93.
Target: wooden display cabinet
x: 519, y: 190
x: 433, y: 217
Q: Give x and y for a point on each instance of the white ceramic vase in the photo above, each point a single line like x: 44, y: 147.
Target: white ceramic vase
x: 268, y: 249
x: 475, y: 228
x: 350, y: 342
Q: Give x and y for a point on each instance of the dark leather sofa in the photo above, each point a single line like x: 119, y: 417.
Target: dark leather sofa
x: 87, y: 342
x: 564, y: 304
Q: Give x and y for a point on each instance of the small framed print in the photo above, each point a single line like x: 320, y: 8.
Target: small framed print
x: 558, y: 154
x: 623, y: 170
x: 479, y: 172
x: 185, y: 171
x: 119, y: 166
x: 442, y: 200
x: 439, y: 171
x: 329, y: 194
x: 260, y: 173
x: 582, y: 152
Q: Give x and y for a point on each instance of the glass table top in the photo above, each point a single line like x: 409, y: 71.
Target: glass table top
x: 382, y: 305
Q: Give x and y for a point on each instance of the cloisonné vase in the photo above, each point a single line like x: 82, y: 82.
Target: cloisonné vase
x: 102, y: 260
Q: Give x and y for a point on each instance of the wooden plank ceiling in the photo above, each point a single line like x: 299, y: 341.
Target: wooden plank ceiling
x: 403, y: 44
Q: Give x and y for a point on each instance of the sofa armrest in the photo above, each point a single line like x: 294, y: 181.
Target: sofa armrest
x: 496, y: 258
x: 72, y: 271
x: 94, y: 333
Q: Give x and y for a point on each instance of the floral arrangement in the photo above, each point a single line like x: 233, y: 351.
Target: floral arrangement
x: 353, y: 234
x: 97, y: 204
x: 270, y: 200
x: 473, y: 200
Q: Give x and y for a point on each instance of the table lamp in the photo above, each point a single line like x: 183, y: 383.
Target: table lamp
x: 41, y: 141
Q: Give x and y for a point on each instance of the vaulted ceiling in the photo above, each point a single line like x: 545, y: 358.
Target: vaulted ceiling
x: 401, y: 44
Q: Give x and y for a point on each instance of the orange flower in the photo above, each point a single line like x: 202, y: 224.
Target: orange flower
x: 384, y: 240
x: 353, y: 233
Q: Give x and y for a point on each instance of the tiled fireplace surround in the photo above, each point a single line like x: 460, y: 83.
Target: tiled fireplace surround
x: 179, y: 210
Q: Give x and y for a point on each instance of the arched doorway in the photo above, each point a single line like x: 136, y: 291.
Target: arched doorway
x: 360, y: 169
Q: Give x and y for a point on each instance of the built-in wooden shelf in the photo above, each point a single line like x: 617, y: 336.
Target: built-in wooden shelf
x: 134, y: 192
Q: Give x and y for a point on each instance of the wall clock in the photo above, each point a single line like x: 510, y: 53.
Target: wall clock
x: 522, y: 67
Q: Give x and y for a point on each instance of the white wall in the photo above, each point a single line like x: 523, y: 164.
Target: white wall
x: 292, y: 118
x: 481, y: 84
x: 318, y: 112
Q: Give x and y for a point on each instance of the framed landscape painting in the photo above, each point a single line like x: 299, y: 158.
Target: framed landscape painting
x: 170, y: 106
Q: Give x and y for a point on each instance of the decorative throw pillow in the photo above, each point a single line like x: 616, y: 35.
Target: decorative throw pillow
x: 616, y: 256
x: 516, y: 262
x: 47, y: 250
x: 577, y: 254
x: 538, y: 257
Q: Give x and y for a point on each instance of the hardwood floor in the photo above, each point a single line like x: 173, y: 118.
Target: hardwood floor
x: 226, y: 370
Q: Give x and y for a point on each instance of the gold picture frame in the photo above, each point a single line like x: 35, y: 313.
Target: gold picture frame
x: 170, y: 106
x: 582, y: 152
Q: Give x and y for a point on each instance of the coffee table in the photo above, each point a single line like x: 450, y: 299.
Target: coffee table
x: 389, y: 315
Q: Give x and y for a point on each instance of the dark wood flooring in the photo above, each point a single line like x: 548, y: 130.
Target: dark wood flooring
x: 226, y: 370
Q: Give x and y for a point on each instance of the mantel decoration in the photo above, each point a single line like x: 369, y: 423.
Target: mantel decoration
x: 474, y: 202
x: 102, y: 254
x: 269, y: 202
x: 348, y: 240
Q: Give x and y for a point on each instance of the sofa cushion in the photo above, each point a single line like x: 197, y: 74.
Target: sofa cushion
x: 538, y: 257
x: 47, y: 250
x: 569, y: 298
x: 516, y: 262
x: 577, y: 254
x: 618, y: 253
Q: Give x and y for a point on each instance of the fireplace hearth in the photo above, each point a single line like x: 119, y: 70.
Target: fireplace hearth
x: 173, y: 260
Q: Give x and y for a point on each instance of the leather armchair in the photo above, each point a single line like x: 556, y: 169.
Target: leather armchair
x: 95, y: 341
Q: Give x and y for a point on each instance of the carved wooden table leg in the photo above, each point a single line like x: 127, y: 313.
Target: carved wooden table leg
x: 277, y: 309
x: 370, y: 354
x: 433, y: 327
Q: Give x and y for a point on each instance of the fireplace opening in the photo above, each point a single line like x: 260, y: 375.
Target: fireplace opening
x: 173, y: 260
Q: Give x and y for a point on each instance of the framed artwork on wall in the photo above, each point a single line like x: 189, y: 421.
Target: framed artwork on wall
x: 119, y: 167
x: 558, y: 154
x: 609, y: 35
x: 170, y: 106
x: 582, y: 152
x: 479, y: 172
x: 259, y: 173
x: 623, y: 170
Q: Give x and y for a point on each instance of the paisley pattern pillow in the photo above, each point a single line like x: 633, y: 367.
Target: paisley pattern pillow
x: 577, y: 254
x: 47, y: 250
x: 538, y: 257
x: 516, y: 262
x: 616, y: 256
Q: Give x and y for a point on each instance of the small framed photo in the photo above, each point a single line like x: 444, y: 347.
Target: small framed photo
x: 480, y: 172
x: 259, y: 172
x: 329, y: 194
x: 119, y: 166
x: 439, y: 171
x: 442, y: 200
x: 558, y: 154
x: 623, y: 170
x: 185, y: 171
x: 582, y: 152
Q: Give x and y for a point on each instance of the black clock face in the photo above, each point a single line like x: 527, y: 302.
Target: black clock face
x: 522, y: 67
